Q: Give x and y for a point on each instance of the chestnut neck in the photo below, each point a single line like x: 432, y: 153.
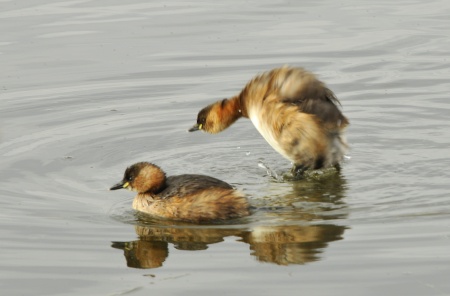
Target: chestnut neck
x: 235, y: 108
x: 150, y: 180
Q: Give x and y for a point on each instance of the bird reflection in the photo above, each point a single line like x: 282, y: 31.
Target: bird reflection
x: 144, y: 254
x: 291, y: 244
x: 302, y: 223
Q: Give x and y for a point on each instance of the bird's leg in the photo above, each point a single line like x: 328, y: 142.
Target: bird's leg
x: 298, y: 170
x: 337, y: 166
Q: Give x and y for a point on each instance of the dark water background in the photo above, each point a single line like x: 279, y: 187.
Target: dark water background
x: 89, y: 87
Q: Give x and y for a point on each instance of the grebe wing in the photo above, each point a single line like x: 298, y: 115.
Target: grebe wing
x: 183, y: 185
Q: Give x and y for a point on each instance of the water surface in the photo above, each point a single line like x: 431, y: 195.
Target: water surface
x: 90, y: 87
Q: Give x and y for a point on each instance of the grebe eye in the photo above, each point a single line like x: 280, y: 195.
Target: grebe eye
x: 129, y: 178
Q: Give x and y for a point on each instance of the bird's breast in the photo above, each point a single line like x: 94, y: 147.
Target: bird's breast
x: 267, y: 130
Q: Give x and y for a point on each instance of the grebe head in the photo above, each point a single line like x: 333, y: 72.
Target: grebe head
x: 142, y: 177
x: 215, y: 118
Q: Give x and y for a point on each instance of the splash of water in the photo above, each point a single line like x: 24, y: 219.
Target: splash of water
x: 269, y: 171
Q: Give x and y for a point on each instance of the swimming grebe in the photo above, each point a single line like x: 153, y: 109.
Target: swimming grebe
x: 192, y: 198
x: 293, y: 110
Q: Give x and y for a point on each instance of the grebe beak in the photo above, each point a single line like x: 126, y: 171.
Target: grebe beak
x: 196, y: 127
x: 120, y: 185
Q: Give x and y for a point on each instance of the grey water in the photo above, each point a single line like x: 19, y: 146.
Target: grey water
x: 90, y: 87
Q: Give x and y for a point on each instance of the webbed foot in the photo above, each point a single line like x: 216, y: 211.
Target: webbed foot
x: 297, y: 173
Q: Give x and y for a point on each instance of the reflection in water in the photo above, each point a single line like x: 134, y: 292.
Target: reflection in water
x: 144, y: 254
x: 291, y: 244
x: 151, y: 249
x: 293, y: 241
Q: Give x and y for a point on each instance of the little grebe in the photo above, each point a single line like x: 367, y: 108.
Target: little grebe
x: 192, y: 198
x: 293, y: 110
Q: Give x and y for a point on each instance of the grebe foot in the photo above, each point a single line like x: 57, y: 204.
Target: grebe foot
x: 297, y: 173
